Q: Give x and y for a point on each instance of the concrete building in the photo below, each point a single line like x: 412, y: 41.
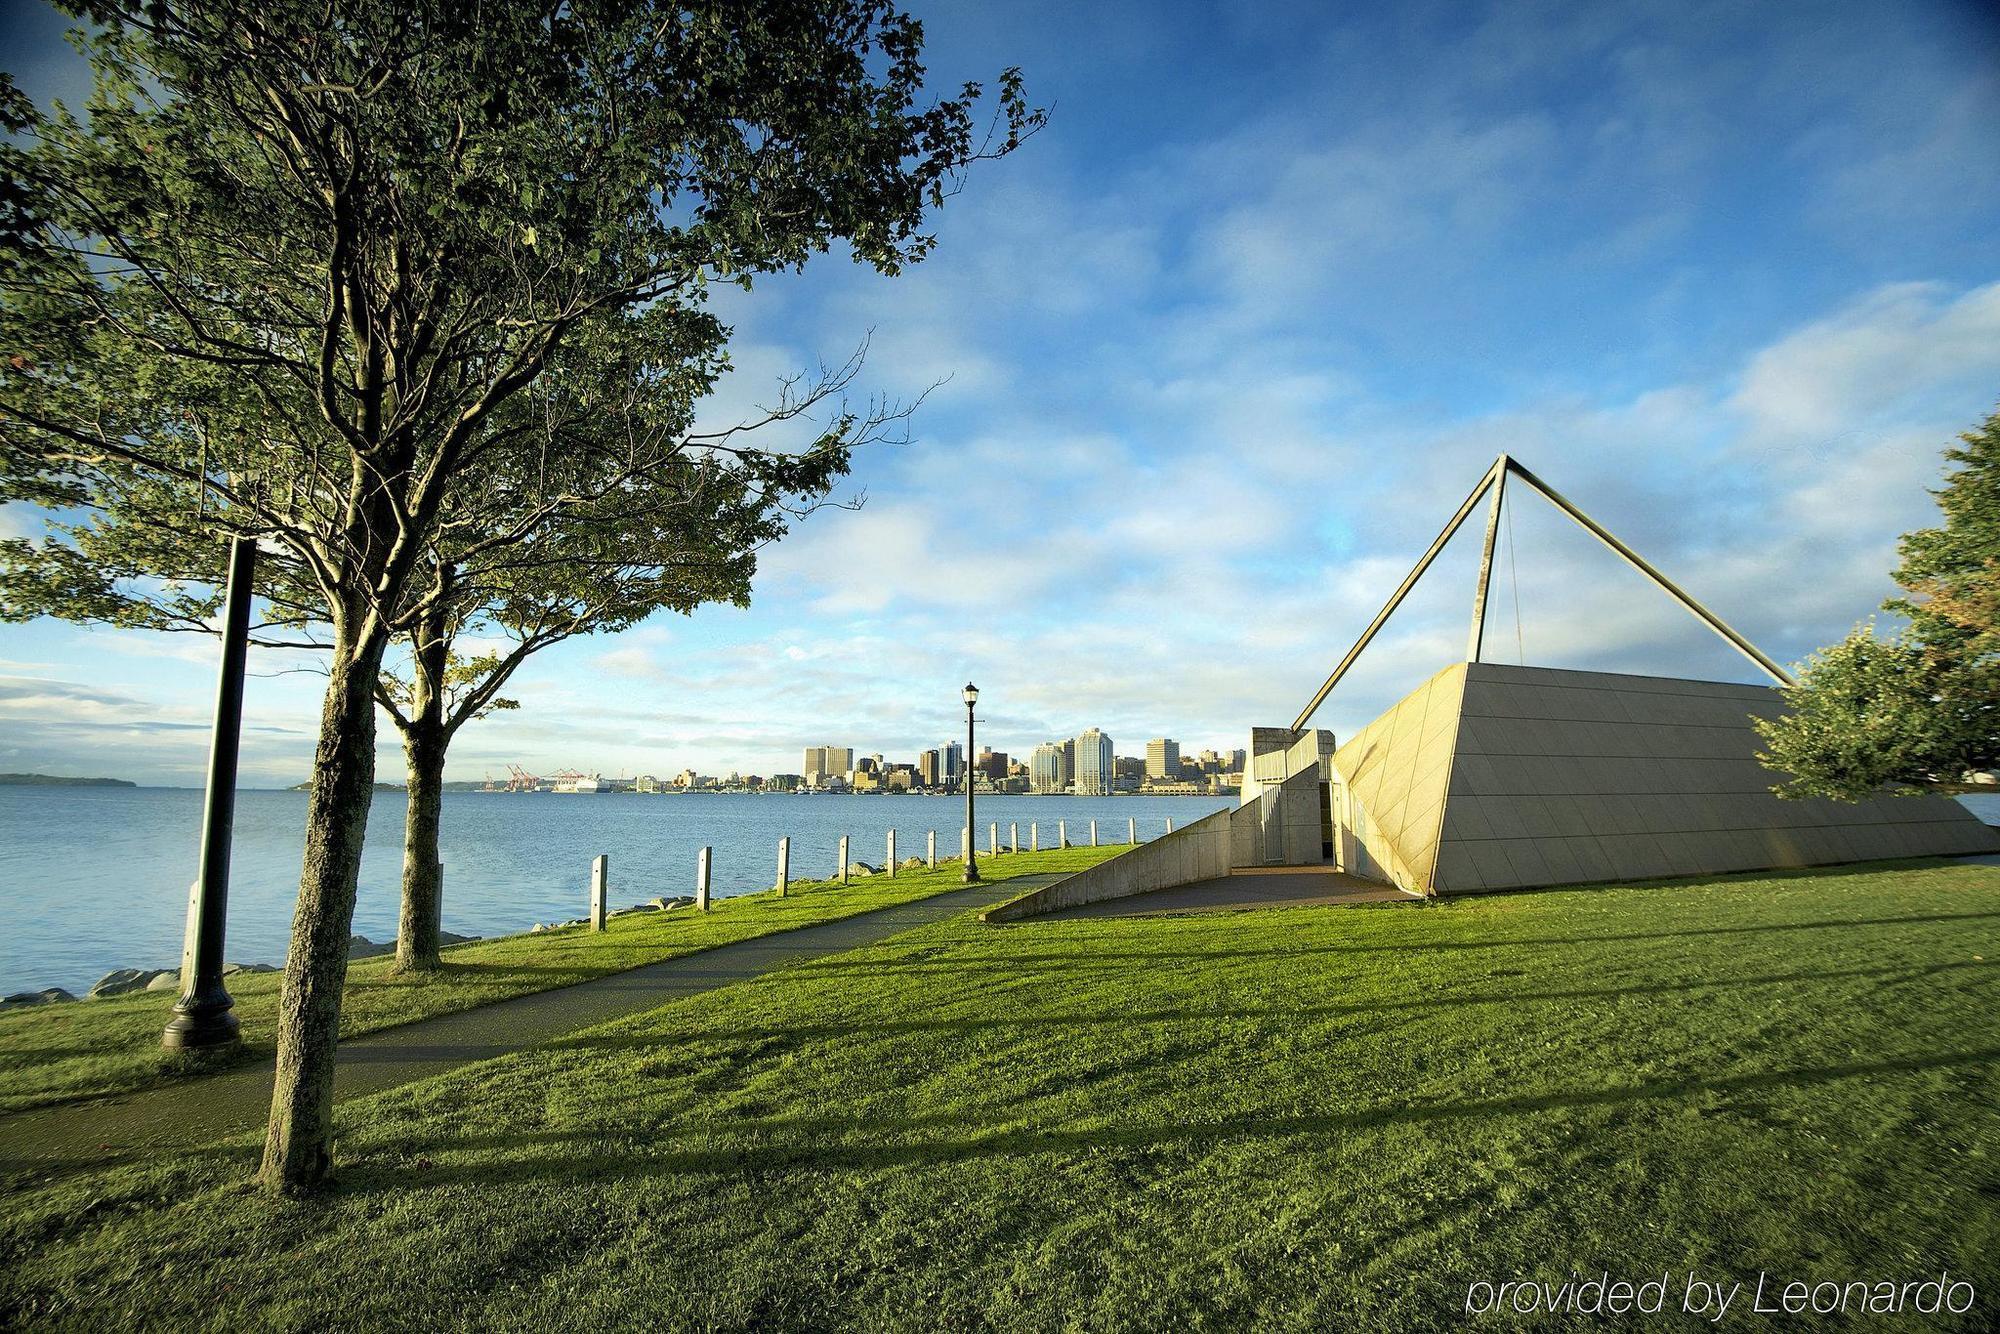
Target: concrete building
x: 825, y: 761
x: 1096, y: 772
x: 1046, y: 770
x: 1491, y: 776
x: 1163, y: 759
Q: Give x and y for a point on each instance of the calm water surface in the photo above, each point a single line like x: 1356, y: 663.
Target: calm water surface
x: 93, y: 879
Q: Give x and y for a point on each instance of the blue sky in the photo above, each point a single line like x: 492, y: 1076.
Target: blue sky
x: 1227, y: 343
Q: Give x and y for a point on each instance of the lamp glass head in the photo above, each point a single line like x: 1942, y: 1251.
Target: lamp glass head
x: 971, y: 693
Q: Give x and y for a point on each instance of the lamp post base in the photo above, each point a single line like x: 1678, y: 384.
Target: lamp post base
x: 191, y: 1029
x: 971, y: 874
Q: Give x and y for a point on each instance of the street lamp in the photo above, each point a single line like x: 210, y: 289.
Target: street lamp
x: 202, y: 1016
x: 971, y: 694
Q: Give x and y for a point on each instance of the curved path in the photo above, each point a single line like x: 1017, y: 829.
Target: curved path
x: 207, y: 1108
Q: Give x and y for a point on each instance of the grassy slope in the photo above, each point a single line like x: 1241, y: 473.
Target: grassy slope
x: 62, y: 1052
x: 1289, y: 1119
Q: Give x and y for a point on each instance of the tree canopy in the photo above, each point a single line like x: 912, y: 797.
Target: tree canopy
x: 1923, y: 704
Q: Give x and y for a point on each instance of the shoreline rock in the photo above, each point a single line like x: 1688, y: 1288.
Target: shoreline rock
x: 119, y: 981
x: 46, y: 996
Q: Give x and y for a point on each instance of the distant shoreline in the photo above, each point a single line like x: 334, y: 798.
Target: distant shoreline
x: 60, y: 780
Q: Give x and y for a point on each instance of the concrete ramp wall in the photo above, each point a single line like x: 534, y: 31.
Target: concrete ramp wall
x: 1200, y: 851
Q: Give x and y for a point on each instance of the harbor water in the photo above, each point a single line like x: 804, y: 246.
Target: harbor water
x: 96, y: 878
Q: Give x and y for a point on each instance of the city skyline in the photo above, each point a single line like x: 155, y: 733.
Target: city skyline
x: 938, y: 769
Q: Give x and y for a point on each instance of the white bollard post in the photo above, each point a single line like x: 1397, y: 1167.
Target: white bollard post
x: 993, y: 838
x: 1014, y: 836
x: 1093, y: 833
x: 784, y: 864
x: 701, y: 866
x: 1034, y: 837
x: 930, y: 851
x: 892, y: 852
x: 1170, y: 824
x: 964, y: 842
x: 1062, y: 833
x: 843, y: 859
x: 1132, y: 832
x: 600, y: 890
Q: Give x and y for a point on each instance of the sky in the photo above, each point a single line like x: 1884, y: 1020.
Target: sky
x: 1218, y: 352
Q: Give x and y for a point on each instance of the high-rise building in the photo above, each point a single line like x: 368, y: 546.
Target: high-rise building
x: 929, y: 769
x: 1163, y: 758
x: 1233, y: 762
x: 824, y: 762
x: 993, y: 763
x: 1095, y: 764
x: 952, y: 760
x: 1046, y: 771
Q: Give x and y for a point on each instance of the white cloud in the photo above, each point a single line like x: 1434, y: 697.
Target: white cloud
x: 1889, y: 353
x: 904, y: 554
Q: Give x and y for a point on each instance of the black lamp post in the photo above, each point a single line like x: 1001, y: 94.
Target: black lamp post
x: 971, y: 694
x: 202, y: 1016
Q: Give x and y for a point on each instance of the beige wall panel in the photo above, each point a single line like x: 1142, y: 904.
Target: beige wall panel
x: 1492, y: 776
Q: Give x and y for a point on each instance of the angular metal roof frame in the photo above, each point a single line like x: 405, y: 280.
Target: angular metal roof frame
x: 1495, y: 482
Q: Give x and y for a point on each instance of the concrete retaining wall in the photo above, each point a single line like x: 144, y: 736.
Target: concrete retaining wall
x: 1288, y: 820
x: 1200, y: 851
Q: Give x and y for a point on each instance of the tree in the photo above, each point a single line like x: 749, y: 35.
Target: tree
x: 686, y: 539
x: 1923, y: 705
x: 309, y: 261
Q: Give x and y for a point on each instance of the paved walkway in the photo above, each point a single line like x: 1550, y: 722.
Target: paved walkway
x: 201, y: 1110
x: 1250, y: 887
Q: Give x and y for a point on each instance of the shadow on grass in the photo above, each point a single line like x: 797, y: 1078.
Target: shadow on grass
x: 635, y: 1159
x: 452, y: 970
x: 475, y: 1028
x: 988, y: 958
x: 1421, y: 1004
x: 1705, y: 880
x: 1696, y: 881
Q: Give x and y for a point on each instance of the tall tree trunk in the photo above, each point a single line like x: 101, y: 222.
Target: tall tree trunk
x: 298, y: 1147
x: 425, y: 739
x: 417, y: 935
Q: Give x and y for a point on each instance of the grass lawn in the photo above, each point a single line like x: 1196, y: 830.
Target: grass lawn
x: 58, y: 1053
x: 1299, y: 1119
